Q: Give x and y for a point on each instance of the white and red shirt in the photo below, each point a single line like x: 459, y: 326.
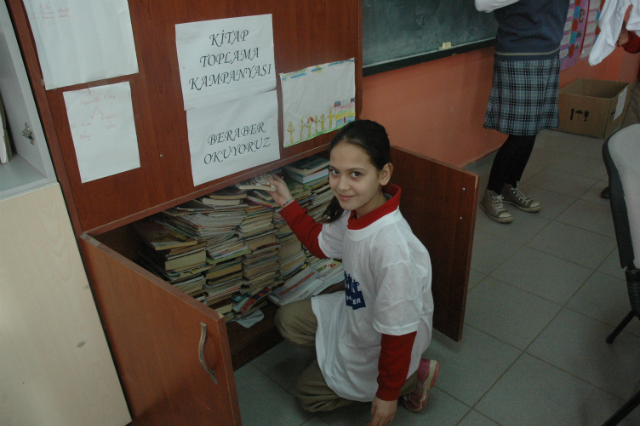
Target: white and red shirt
x: 370, y: 338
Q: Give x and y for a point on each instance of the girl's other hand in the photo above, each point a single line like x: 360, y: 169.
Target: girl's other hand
x: 382, y: 412
x: 282, y: 194
x: 624, y: 36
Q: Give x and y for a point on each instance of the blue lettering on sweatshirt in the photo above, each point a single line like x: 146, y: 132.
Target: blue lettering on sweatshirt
x: 354, y: 297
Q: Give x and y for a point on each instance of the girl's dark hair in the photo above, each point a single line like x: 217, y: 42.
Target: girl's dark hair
x: 368, y: 135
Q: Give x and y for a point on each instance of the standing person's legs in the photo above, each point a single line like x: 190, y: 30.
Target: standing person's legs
x: 491, y: 202
x: 510, y: 162
x: 510, y: 191
x: 508, y: 166
x: 520, y: 160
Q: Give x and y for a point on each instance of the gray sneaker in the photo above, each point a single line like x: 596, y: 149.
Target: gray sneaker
x: 513, y: 195
x: 492, y: 205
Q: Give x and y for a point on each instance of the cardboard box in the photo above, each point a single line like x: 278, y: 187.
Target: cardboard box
x: 593, y: 107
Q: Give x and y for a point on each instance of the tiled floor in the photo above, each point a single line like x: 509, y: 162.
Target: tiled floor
x: 544, y: 292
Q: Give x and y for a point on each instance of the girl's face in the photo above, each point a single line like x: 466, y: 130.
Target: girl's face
x: 355, y: 181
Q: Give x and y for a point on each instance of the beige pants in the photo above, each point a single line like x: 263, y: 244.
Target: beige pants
x: 297, y: 323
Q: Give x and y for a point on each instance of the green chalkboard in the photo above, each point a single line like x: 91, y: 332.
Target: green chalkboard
x: 398, y: 33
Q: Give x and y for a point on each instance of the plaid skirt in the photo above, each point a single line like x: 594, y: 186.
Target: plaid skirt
x: 524, y: 97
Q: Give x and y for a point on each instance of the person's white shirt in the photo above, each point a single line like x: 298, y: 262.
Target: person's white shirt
x: 388, y: 291
x: 610, y: 23
x: 491, y: 5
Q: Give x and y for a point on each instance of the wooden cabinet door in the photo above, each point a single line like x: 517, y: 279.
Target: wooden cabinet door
x: 55, y: 366
x: 439, y: 203
x: 154, y: 332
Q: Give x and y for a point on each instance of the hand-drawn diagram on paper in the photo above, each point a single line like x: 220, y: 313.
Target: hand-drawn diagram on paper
x: 318, y: 100
x: 103, y: 130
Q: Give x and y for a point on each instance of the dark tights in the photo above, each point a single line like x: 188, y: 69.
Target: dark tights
x: 510, y: 161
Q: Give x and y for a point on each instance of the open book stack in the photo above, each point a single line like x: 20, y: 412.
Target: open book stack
x: 322, y: 196
x: 231, y: 249
x: 313, y: 173
x: 260, y: 265
x: 172, y: 256
x: 308, y: 169
x: 308, y: 282
x: 226, y: 248
x: 230, y: 196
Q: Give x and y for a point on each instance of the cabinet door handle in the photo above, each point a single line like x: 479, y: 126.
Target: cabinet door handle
x: 203, y: 338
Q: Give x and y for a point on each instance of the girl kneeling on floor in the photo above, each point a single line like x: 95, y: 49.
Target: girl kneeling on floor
x: 368, y: 339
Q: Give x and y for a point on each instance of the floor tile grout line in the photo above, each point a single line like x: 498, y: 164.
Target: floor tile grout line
x: 622, y: 399
x: 494, y: 383
x: 602, y: 322
x: 274, y: 381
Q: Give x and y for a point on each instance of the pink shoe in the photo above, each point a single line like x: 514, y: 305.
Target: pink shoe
x: 427, y: 377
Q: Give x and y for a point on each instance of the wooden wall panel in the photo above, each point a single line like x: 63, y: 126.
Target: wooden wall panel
x: 305, y: 33
x: 439, y: 202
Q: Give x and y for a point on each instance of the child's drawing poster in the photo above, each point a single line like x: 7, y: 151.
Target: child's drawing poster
x: 233, y: 136
x: 592, y: 30
x: 318, y: 100
x: 225, y: 59
x: 79, y: 41
x: 574, y: 32
x: 103, y: 130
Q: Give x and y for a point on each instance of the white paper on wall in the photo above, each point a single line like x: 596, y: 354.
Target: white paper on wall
x: 103, y: 130
x: 79, y: 41
x: 233, y: 136
x: 318, y: 100
x: 225, y: 59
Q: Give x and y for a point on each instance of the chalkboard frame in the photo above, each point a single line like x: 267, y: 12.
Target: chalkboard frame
x: 425, y: 57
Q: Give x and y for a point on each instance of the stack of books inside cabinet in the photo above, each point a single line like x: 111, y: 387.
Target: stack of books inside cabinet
x: 233, y: 251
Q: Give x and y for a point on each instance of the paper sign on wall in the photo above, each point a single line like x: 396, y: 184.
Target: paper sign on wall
x: 80, y: 41
x: 225, y: 59
x: 103, y: 130
x: 318, y: 100
x: 233, y: 136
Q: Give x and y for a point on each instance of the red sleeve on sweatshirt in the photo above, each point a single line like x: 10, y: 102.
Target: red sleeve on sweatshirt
x: 306, y: 229
x: 393, y: 365
x: 633, y: 45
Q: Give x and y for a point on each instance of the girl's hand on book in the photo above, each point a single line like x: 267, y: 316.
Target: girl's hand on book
x: 282, y: 194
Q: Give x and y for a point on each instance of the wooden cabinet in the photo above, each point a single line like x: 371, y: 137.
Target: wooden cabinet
x: 154, y: 331
x: 56, y: 367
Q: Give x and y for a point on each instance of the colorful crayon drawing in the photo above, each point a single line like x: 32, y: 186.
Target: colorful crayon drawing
x: 592, y: 29
x: 345, y: 112
x: 574, y: 33
x: 320, y: 99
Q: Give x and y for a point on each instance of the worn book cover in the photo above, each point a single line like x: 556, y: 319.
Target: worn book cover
x: 308, y: 165
x: 160, y: 237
